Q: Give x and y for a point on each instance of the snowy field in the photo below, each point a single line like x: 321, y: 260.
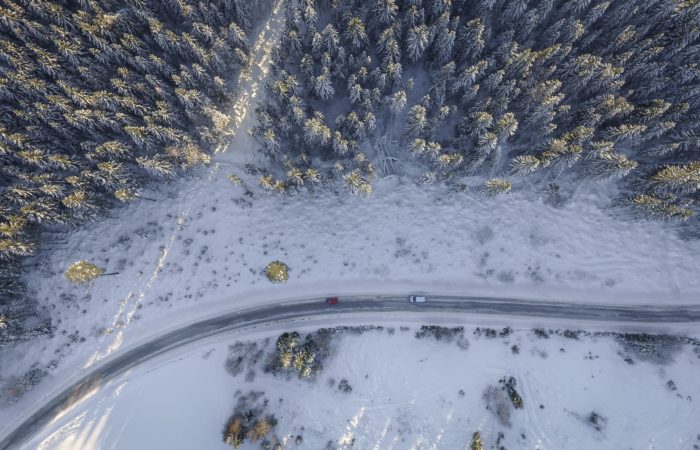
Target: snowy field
x: 406, y: 393
x: 204, y: 250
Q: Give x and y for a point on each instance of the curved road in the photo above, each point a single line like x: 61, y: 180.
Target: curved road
x: 315, y: 307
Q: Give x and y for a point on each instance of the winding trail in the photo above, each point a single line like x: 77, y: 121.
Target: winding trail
x: 450, y: 306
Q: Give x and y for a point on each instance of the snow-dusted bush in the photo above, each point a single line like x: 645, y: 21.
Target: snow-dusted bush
x: 277, y: 272
x: 83, y: 272
x: 476, y: 443
x: 249, y: 421
x: 509, y: 386
x: 440, y: 333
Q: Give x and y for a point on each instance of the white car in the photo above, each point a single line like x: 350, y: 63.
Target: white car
x: 416, y: 299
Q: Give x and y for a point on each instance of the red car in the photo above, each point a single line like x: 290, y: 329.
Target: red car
x: 332, y: 301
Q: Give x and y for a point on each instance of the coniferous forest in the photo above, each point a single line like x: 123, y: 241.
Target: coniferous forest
x: 548, y: 94
x: 99, y: 97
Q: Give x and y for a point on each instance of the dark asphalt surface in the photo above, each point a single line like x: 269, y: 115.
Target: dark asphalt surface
x: 315, y: 307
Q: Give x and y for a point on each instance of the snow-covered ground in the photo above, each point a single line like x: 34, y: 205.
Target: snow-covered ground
x: 405, y: 395
x: 202, y: 246
x: 204, y: 250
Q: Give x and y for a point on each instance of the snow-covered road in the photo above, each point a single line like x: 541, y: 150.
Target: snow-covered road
x: 688, y: 317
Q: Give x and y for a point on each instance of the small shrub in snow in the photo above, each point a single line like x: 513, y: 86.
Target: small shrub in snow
x: 597, y: 421
x: 261, y: 429
x: 83, y: 272
x: 591, y: 356
x: 344, y: 386
x: 291, y: 356
x: 509, y: 386
x: 569, y: 334
x: 650, y: 347
x: 499, y: 439
x: 507, y: 331
x: 277, y: 272
x: 440, y: 333
x: 540, y: 333
x: 248, y: 421
x: 235, y: 432
x: 487, y: 332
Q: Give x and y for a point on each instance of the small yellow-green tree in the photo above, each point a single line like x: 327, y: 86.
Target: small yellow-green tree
x: 261, y: 429
x: 277, y: 272
x: 476, y: 442
x: 83, y: 272
x: 286, y: 358
x: 235, y: 432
